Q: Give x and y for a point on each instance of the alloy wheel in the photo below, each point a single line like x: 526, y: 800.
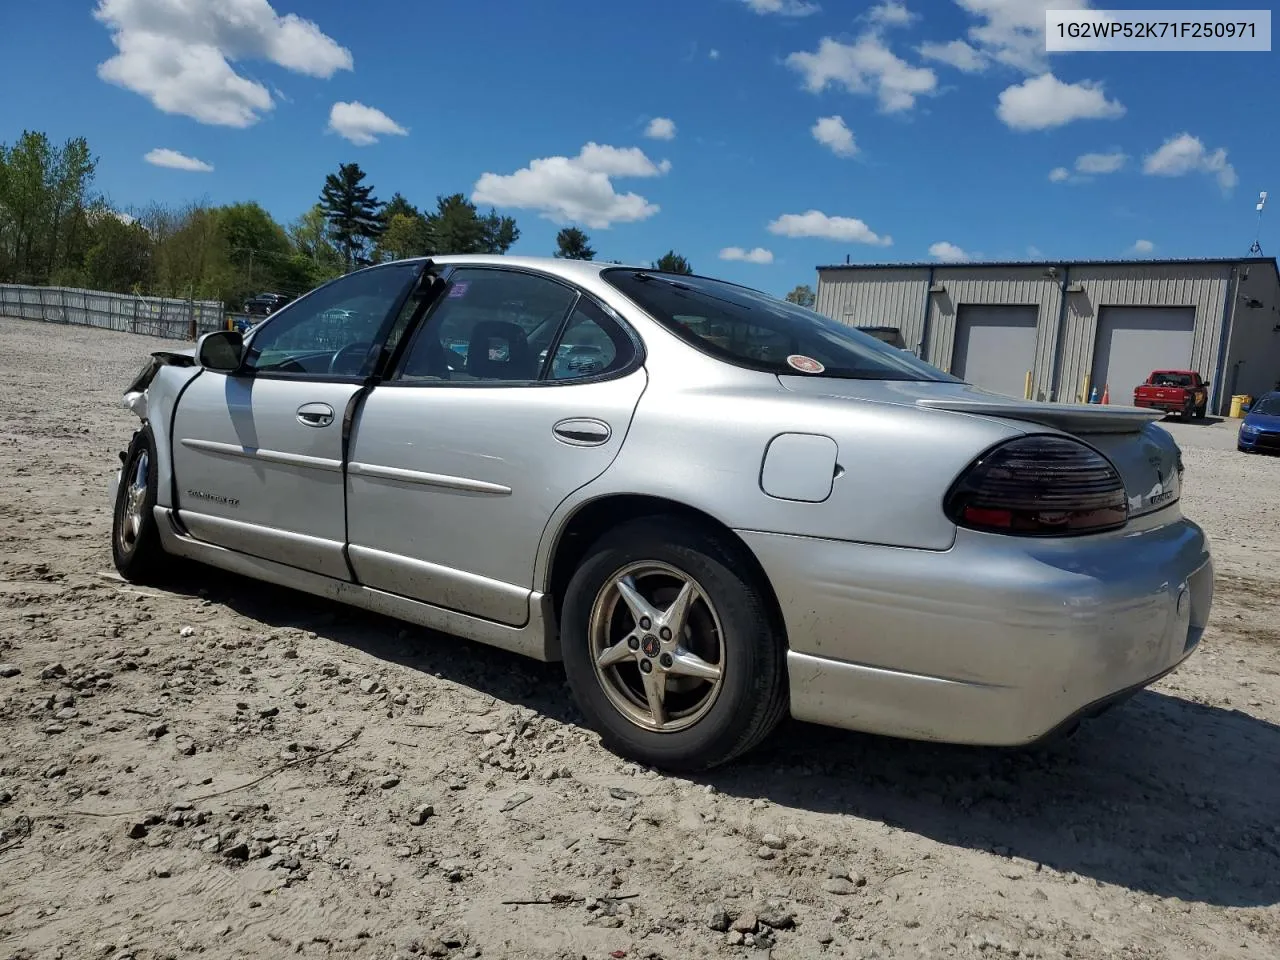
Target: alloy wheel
x: 658, y: 646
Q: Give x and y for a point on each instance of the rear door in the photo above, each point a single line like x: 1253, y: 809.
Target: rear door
x: 258, y: 455
x: 515, y: 391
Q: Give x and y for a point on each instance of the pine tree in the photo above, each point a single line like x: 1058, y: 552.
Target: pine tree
x: 354, y: 213
x: 573, y: 244
x: 672, y: 262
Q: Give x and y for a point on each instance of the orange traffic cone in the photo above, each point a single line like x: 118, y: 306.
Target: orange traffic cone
x: 1106, y: 393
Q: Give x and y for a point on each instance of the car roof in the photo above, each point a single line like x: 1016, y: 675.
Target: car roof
x: 554, y: 265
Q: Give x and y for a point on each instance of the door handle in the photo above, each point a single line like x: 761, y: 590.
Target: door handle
x: 582, y: 432
x: 315, y: 414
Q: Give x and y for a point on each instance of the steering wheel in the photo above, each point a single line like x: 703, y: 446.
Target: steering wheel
x: 342, y: 357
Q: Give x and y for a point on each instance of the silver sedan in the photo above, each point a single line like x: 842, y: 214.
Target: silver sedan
x: 715, y: 507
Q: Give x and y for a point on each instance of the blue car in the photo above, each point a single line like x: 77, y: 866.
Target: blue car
x: 1260, y: 429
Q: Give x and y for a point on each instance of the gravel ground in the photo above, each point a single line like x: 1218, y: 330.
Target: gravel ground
x: 235, y: 770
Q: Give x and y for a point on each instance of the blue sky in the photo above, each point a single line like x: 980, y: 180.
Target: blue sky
x: 799, y: 132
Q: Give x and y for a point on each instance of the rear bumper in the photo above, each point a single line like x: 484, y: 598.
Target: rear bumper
x: 994, y: 642
x: 1169, y: 406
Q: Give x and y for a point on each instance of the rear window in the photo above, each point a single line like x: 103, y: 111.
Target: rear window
x: 1171, y: 380
x: 751, y: 329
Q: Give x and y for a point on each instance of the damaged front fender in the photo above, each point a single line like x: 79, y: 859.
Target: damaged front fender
x: 135, y: 394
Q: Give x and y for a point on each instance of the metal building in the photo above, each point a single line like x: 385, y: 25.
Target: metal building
x: 1053, y: 330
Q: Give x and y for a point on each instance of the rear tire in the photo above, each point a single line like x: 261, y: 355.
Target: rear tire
x: 719, y: 677
x: 135, y: 538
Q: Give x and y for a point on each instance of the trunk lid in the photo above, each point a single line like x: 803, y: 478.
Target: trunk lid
x: 1145, y: 454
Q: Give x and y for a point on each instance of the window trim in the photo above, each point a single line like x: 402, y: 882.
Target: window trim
x: 638, y: 355
x: 423, y: 267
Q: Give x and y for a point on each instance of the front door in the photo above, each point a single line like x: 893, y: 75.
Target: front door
x: 258, y: 455
x: 515, y: 391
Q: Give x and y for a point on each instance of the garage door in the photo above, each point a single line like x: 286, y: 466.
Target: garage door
x: 995, y: 346
x: 1133, y: 341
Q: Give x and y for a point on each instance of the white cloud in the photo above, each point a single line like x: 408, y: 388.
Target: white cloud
x: 948, y: 252
x: 163, y: 157
x: 1100, y: 163
x: 1011, y: 32
x: 956, y: 54
x: 1043, y: 102
x: 785, y: 8
x: 815, y: 223
x: 713, y: 54
x: 1185, y: 154
x: 178, y: 54
x: 577, y: 189
x: 891, y: 13
x: 619, y: 161
x: 865, y: 66
x: 362, y: 125
x: 661, y: 128
x: 832, y: 132
x: 1142, y: 246
x: 756, y: 255
x: 1035, y: 253
x: 1089, y: 165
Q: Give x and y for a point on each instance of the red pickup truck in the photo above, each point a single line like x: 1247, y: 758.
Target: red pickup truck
x: 1174, y: 391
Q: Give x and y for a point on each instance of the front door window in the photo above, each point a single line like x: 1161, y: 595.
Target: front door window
x: 337, y: 331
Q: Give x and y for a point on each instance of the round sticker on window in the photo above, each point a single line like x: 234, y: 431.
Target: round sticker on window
x: 804, y: 364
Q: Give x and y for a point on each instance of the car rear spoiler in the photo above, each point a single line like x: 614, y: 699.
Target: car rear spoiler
x: 1069, y: 417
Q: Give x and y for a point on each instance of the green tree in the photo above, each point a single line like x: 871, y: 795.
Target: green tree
x: 407, y: 233
x: 258, y: 249
x: 24, y: 200
x: 71, y: 172
x: 119, y: 258
x: 43, y: 198
x: 457, y: 227
x: 802, y: 295
x: 192, y: 258
x: 672, y: 262
x: 354, y: 213
x: 573, y: 244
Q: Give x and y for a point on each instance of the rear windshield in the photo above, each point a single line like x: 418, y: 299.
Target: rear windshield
x: 1171, y: 380
x: 751, y: 329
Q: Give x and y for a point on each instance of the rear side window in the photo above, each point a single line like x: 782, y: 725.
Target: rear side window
x: 750, y: 329
x: 592, y: 344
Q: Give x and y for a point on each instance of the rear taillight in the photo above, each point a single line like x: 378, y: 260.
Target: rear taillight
x: 1040, y: 486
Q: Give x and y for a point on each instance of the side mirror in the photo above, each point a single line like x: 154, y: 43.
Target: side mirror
x: 221, y: 351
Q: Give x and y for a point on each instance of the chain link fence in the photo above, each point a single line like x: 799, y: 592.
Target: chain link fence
x: 152, y: 316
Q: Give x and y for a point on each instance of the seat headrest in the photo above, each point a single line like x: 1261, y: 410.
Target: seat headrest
x: 488, y: 334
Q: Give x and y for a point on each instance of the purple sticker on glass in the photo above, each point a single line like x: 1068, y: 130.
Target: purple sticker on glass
x: 459, y: 289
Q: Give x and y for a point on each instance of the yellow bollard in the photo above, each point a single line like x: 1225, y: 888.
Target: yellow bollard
x: 1026, y: 394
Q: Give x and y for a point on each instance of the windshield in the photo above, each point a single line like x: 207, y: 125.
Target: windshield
x: 1268, y: 406
x: 750, y: 329
x: 1171, y: 380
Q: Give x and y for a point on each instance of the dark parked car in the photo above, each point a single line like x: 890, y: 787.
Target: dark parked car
x: 265, y: 304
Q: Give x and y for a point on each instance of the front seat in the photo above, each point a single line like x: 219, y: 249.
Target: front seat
x: 430, y: 361
x: 518, y: 363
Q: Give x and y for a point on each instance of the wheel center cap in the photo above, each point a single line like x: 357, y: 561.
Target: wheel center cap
x: 651, y: 645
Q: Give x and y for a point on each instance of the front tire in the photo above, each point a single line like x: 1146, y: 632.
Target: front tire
x: 672, y: 648
x: 135, y: 538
